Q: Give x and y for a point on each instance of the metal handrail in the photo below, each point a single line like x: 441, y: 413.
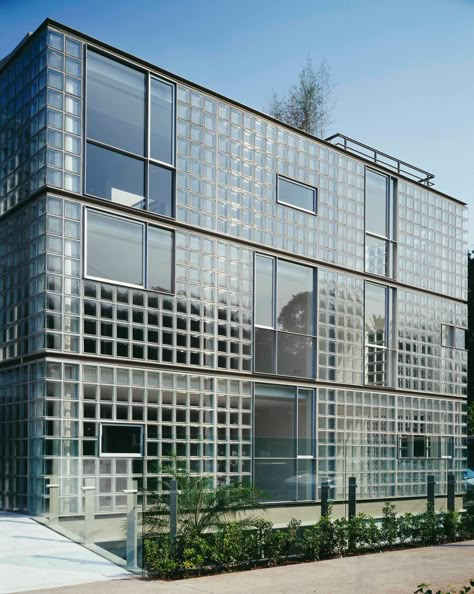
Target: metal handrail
x: 380, y: 158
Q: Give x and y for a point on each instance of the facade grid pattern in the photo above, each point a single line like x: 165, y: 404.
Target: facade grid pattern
x: 78, y: 353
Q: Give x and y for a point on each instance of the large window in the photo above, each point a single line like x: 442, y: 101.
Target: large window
x: 284, y: 317
x: 129, y: 252
x: 130, y: 141
x: 285, y: 443
x: 121, y: 440
x: 380, y: 223
x: 379, y: 335
x: 425, y: 446
x: 293, y: 193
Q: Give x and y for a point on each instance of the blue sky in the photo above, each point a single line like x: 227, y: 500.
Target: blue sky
x: 403, y: 69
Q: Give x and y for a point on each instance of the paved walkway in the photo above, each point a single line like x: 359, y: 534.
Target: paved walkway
x: 32, y: 557
x: 397, y: 572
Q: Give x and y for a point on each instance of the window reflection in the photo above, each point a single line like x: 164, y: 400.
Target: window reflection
x: 161, y: 190
x: 376, y: 203
x: 296, y: 194
x: 114, y: 248
x: 292, y: 315
x: 161, y: 121
x: 284, y: 443
x: 115, y: 103
x: 115, y: 177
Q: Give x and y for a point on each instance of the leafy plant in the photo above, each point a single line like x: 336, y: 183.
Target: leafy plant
x: 425, y: 589
x: 200, y: 507
x: 389, y: 529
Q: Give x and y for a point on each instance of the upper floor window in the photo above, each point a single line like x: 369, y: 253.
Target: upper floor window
x: 453, y: 337
x: 284, y: 317
x: 129, y: 252
x: 379, y: 335
x: 296, y: 194
x: 130, y: 140
x: 380, y: 224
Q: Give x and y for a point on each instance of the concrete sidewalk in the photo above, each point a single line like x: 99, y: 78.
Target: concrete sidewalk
x: 34, y: 557
x: 397, y: 572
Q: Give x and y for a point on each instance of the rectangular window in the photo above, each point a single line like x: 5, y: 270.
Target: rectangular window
x: 284, y: 318
x: 380, y: 223
x: 453, y: 337
x: 117, y: 249
x: 425, y: 446
x: 160, y: 190
x: 161, y: 120
x: 115, y: 176
x: 160, y: 269
x: 121, y: 440
x: 285, y: 443
x: 293, y: 193
x: 115, y: 104
x: 379, y: 335
x: 130, y: 140
x: 114, y: 249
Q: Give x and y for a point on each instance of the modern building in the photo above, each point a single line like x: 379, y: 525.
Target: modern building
x: 181, y: 275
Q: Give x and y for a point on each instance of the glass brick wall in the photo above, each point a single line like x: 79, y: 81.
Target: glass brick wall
x: 432, y: 242
x: 41, y: 129
x: 180, y: 364
x: 228, y: 161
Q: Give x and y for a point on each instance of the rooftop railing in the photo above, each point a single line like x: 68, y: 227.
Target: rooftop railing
x: 380, y: 158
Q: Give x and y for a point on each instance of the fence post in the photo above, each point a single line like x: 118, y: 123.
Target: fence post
x: 352, y: 496
x: 89, y: 509
x: 325, y: 499
x: 132, y: 531
x: 53, y: 487
x: 451, y: 492
x: 430, y: 491
x: 173, y: 513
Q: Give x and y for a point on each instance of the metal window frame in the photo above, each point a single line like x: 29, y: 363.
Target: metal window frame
x: 141, y: 426
x: 145, y: 226
x: 146, y: 157
x: 313, y: 189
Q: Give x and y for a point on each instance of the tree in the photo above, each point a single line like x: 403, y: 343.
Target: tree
x: 309, y: 104
x: 200, y: 507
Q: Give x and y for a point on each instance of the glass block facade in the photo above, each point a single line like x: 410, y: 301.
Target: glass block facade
x: 204, y: 281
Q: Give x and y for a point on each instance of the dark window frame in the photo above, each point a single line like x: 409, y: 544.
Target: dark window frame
x: 145, y: 249
x: 313, y: 189
x: 146, y: 157
x: 103, y: 454
x: 298, y: 460
x: 275, y: 330
x: 391, y: 218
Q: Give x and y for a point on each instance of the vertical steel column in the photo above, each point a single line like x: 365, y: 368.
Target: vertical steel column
x: 430, y: 491
x: 89, y: 510
x: 173, y: 512
x: 325, y: 499
x: 352, y: 496
x: 132, y: 524
x: 451, y: 492
x: 53, y: 487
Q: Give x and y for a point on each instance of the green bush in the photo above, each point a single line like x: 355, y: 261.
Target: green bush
x: 389, y: 529
x: 237, y: 545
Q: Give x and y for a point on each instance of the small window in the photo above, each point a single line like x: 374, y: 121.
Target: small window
x: 295, y: 194
x: 421, y: 446
x: 121, y: 440
x: 452, y: 337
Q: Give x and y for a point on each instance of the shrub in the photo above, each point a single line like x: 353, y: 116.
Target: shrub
x: 389, y: 529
